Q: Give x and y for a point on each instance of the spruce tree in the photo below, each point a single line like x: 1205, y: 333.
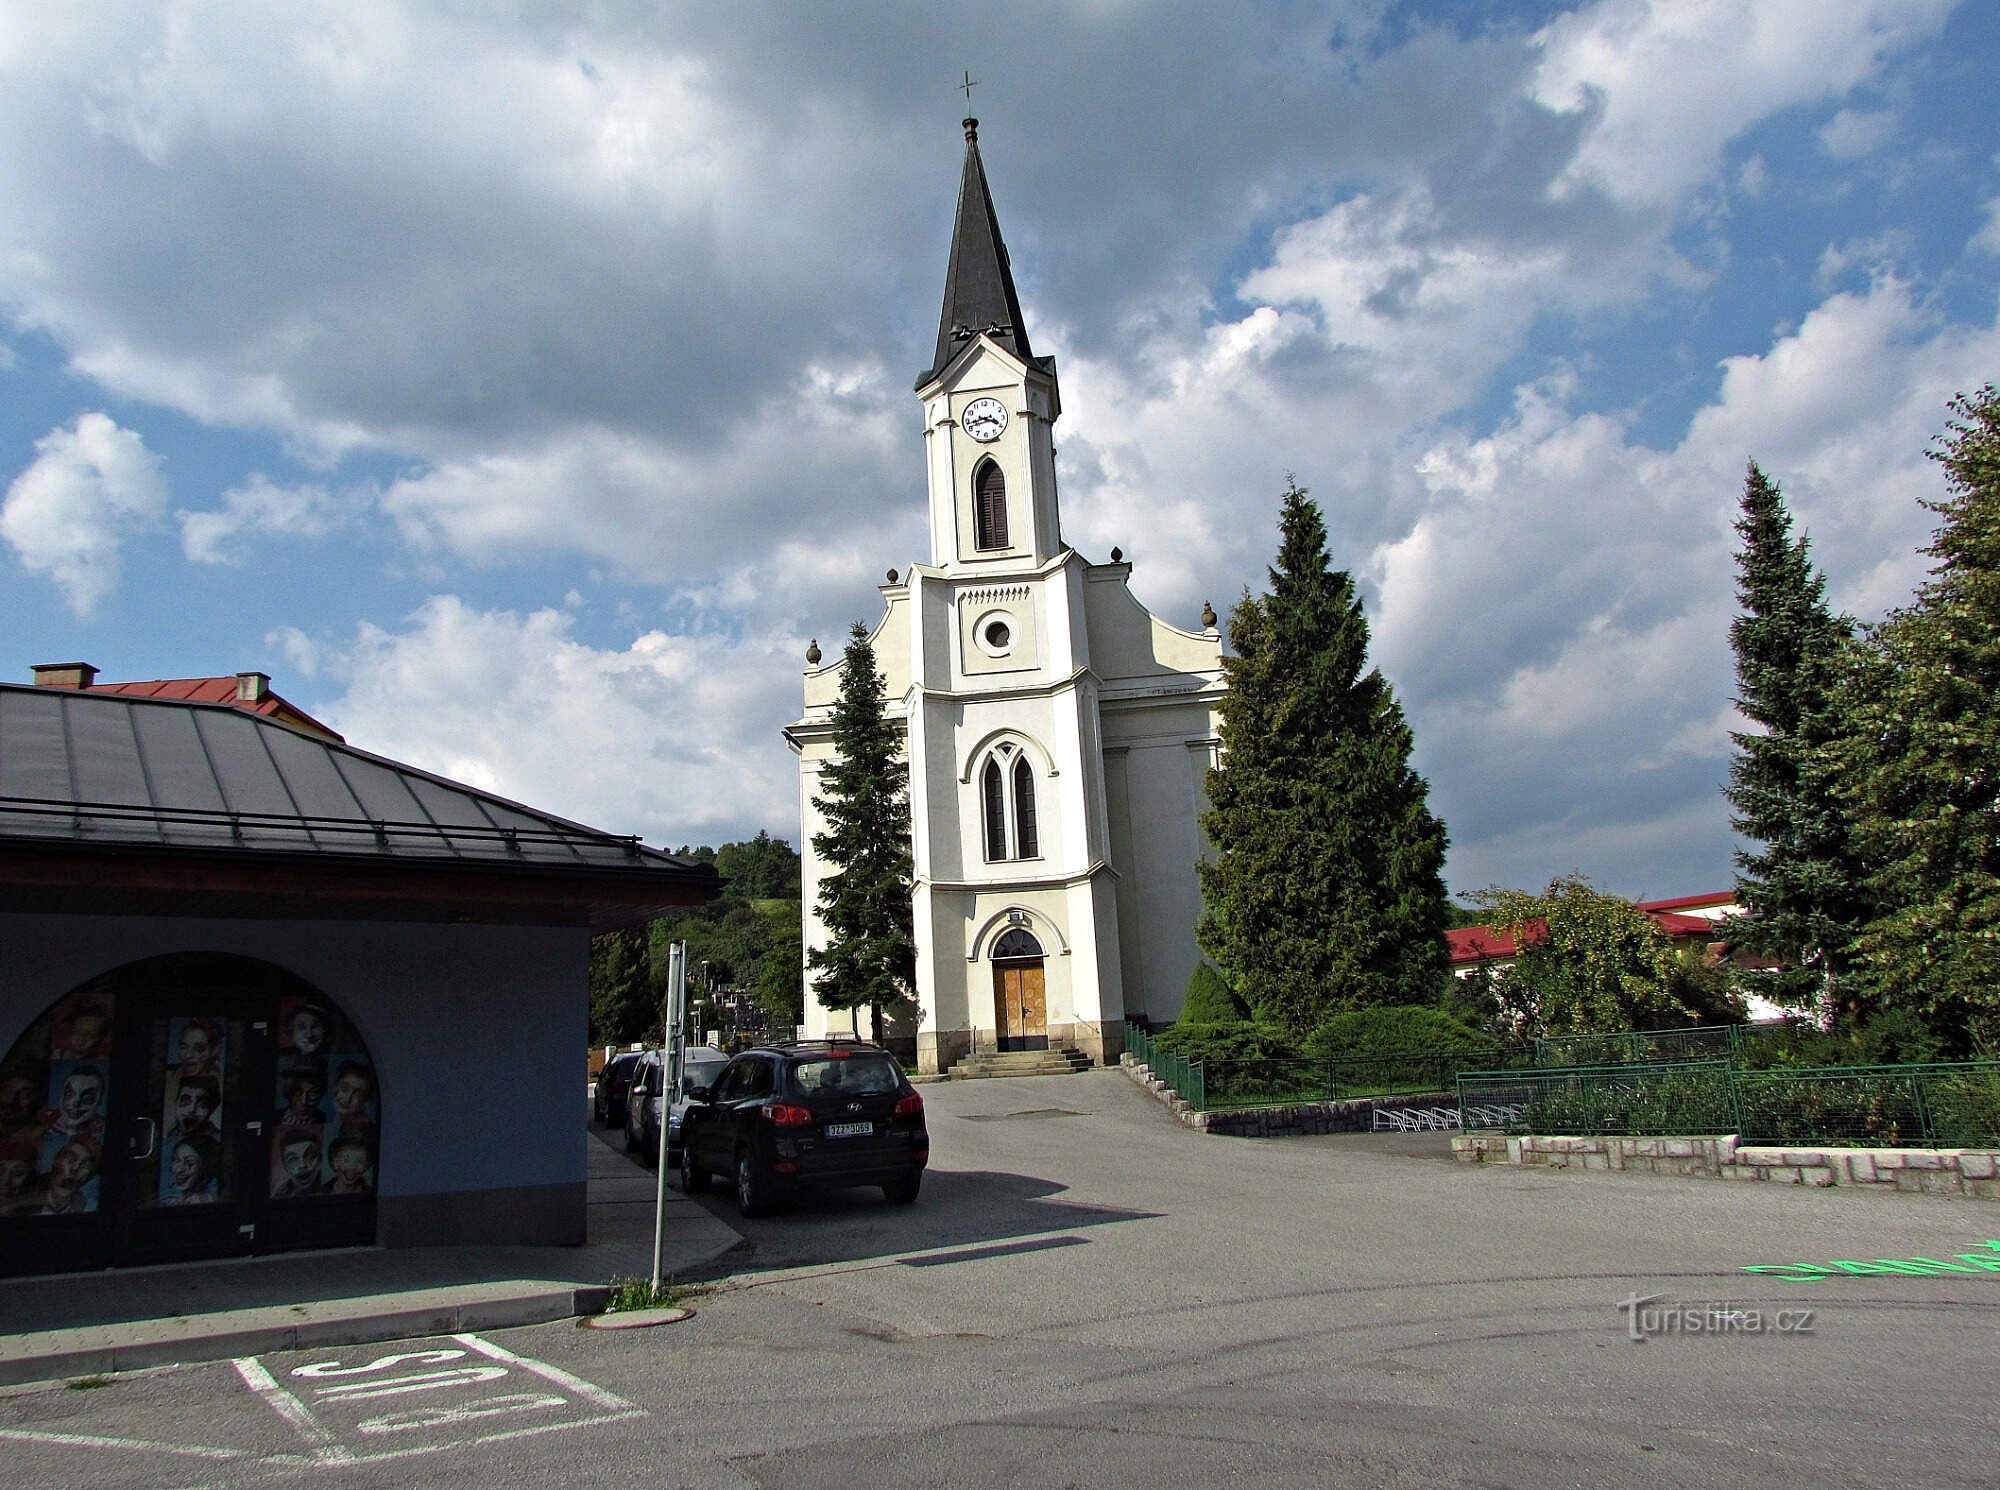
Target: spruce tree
x: 1324, y: 890
x: 1801, y: 881
x: 1923, y: 760
x: 870, y: 956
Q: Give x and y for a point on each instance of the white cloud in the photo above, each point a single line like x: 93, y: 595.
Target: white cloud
x: 1987, y: 239
x: 1558, y: 618
x: 1854, y: 133
x: 261, y: 506
x: 673, y: 737
x: 1666, y: 87
x: 66, y: 514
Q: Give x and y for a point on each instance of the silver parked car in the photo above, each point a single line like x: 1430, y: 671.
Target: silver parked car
x: 700, y: 1065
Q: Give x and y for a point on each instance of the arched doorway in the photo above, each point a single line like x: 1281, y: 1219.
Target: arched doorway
x: 195, y: 1105
x: 1020, y: 1001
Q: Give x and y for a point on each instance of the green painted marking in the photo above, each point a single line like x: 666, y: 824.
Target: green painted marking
x: 1913, y: 1267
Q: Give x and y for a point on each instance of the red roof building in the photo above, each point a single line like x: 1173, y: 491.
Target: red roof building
x: 1684, y: 918
x: 247, y: 691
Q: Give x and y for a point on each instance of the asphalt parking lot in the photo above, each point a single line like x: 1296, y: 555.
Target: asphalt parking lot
x: 1089, y: 1294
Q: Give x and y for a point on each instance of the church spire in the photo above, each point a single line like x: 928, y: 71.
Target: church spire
x: 979, y: 286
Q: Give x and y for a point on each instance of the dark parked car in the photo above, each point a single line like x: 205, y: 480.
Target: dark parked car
x: 700, y: 1065
x: 607, y: 1104
x: 806, y: 1114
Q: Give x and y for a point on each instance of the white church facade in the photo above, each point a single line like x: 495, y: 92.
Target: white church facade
x: 1058, y: 734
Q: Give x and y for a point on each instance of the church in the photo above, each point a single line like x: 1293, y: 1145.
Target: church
x: 1058, y: 734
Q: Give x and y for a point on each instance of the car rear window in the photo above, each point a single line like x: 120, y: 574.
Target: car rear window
x: 857, y: 1075
x: 698, y: 1072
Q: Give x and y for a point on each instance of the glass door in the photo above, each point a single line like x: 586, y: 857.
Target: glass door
x: 187, y: 1170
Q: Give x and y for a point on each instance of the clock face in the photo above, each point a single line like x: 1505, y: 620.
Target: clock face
x: 984, y: 419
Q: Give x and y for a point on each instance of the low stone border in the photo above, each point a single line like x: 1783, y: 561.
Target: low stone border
x: 1974, y: 1173
x: 1356, y: 1115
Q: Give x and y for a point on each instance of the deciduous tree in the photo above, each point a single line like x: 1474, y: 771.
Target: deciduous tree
x: 1588, y: 963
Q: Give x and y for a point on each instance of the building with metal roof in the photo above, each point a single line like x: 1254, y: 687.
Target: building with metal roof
x: 266, y: 990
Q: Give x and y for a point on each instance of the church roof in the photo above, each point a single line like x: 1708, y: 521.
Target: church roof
x: 979, y: 285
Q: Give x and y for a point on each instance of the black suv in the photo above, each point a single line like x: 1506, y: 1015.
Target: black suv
x: 811, y: 1113
x: 608, y: 1100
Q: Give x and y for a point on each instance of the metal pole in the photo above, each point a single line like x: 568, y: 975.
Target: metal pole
x: 670, y: 1076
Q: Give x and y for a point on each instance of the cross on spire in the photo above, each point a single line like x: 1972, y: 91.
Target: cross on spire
x: 966, y: 88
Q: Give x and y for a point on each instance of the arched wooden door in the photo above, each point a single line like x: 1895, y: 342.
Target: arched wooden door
x: 1020, y: 999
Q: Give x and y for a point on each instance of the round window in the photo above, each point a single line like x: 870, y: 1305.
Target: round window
x: 993, y: 633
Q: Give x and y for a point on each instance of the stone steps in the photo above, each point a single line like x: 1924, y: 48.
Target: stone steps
x: 1019, y: 1063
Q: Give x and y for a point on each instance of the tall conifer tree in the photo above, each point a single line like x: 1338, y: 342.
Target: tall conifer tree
x: 1325, y: 888
x: 870, y: 956
x: 1923, y: 760
x: 1802, y: 881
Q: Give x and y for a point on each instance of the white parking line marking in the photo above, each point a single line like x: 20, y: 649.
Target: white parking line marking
x: 609, y: 1401
x: 325, y: 1449
x: 321, y: 1423
x: 486, y: 1407
x: 147, y: 1445
x: 429, y: 1381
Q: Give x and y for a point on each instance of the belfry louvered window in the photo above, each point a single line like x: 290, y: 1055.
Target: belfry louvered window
x: 1012, y: 829
x: 989, y: 501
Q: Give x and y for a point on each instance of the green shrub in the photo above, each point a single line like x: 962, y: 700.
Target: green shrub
x: 1239, y: 1041
x: 1965, y: 1110
x: 1210, y: 999
x: 1396, y: 1029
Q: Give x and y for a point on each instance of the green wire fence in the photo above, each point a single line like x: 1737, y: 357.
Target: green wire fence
x: 1941, y: 1105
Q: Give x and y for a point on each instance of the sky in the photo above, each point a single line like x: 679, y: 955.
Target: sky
x: 523, y: 386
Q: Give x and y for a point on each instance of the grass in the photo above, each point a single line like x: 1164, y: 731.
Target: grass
x: 640, y: 1293
x: 88, y: 1383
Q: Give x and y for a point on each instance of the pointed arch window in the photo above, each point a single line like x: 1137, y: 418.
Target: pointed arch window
x: 989, y: 503
x: 1008, y: 816
x: 1026, y: 838
x: 994, y: 790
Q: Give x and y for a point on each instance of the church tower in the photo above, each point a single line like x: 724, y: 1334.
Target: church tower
x: 1057, y: 734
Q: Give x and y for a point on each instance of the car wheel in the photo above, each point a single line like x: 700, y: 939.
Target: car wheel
x: 903, y: 1191
x: 753, y: 1192
x: 629, y: 1145
x: 694, y: 1179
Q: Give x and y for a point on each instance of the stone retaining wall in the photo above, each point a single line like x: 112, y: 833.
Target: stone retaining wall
x: 1356, y: 1115
x: 1969, y: 1172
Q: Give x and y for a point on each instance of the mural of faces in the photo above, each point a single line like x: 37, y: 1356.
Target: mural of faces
x: 193, y: 1172
x: 297, y: 1168
x: 20, y: 1178
x: 353, y: 1161
x: 305, y: 1027
x: 197, y: 1046
x: 81, y: 1099
x: 72, y: 1179
x: 56, y: 1089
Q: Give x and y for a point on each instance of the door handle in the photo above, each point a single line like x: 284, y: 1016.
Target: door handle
x: 152, y: 1138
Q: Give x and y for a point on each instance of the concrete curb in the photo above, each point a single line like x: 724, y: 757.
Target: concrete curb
x: 101, y: 1350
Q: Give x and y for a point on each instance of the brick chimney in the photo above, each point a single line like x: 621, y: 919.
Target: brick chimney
x: 252, y: 688
x: 64, y: 675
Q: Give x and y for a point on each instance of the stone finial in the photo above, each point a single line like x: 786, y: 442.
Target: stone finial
x: 1117, y: 555
x: 1207, y: 616
x: 892, y: 576
x: 812, y: 652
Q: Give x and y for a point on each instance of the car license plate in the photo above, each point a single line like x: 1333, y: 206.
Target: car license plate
x: 849, y: 1130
